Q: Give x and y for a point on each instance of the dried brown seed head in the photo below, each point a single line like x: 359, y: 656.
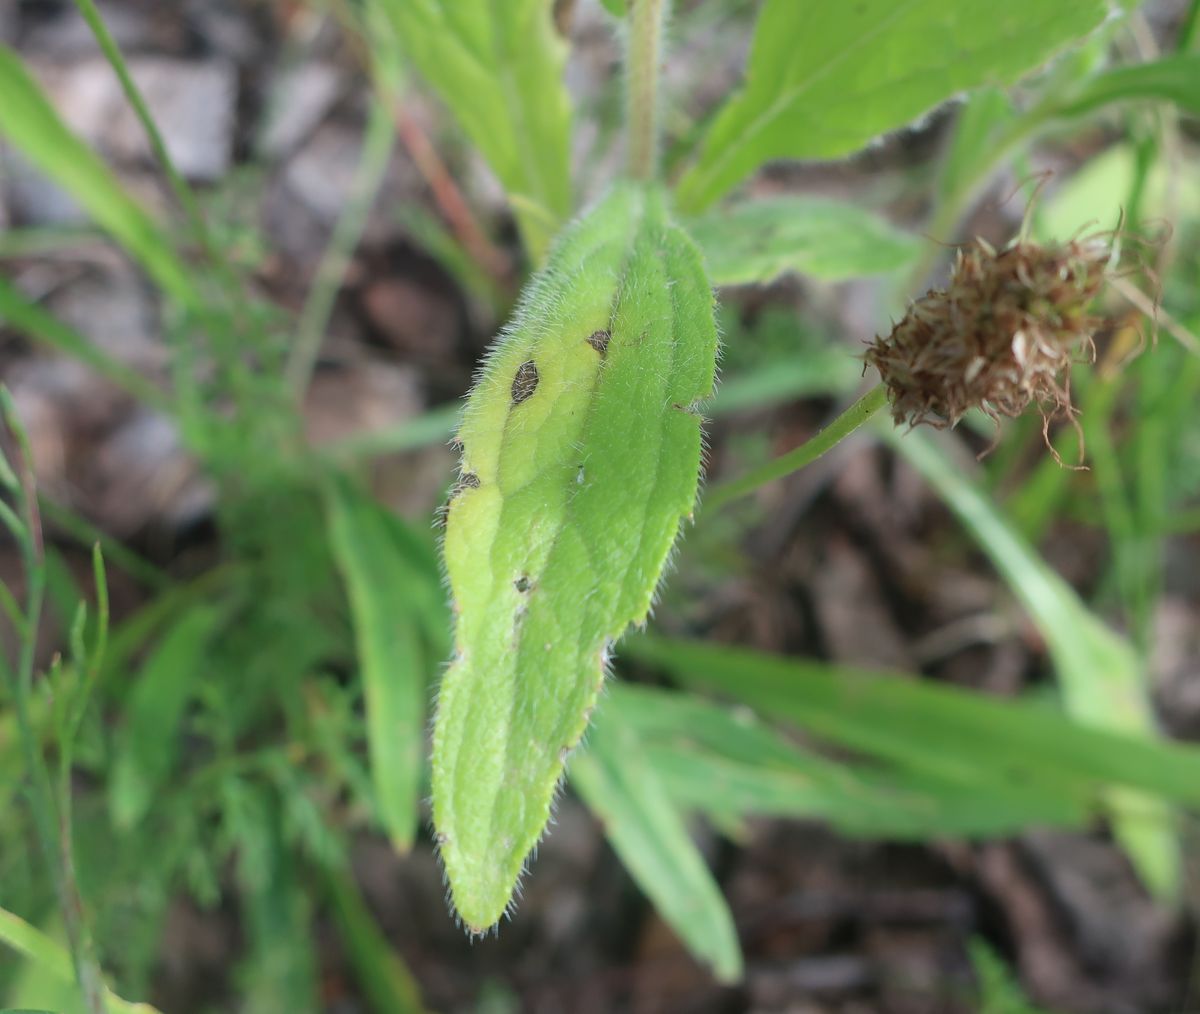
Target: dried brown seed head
x: 1002, y: 335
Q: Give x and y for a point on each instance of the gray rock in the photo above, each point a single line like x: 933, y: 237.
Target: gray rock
x: 113, y: 309
x: 321, y: 175
x: 299, y: 99
x: 191, y: 101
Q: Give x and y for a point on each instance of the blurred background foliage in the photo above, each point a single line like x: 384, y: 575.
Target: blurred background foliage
x: 250, y: 252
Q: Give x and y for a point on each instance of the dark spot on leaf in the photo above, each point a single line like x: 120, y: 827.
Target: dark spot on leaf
x: 599, y: 341
x: 525, y: 382
x: 468, y: 480
x: 522, y: 583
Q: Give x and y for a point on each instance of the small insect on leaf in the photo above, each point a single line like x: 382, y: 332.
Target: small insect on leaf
x: 577, y: 472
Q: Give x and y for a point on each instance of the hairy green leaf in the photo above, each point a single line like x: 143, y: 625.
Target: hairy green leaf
x: 29, y: 121
x: 149, y: 742
x: 1098, y: 672
x: 823, y: 79
x: 581, y: 450
x: 755, y: 242
x: 622, y: 787
x: 498, y: 66
x: 392, y: 581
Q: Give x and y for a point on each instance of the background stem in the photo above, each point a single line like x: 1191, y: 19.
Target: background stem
x: 642, y: 62
x: 806, y: 453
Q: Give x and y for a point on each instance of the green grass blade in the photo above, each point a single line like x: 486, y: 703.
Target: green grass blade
x: 1098, y: 672
x: 944, y: 731
x: 368, y: 177
x: 725, y: 763
x: 42, y: 950
x: 31, y: 320
x: 1172, y: 79
x: 34, y: 127
x: 389, y: 589
x: 622, y: 788
x: 183, y: 193
x: 387, y: 983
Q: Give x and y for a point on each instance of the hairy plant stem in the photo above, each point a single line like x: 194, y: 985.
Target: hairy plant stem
x: 642, y: 59
x: 808, y: 452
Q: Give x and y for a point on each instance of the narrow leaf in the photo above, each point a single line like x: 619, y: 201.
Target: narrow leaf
x: 499, y: 66
x: 954, y: 734
x: 622, y: 788
x: 1098, y: 672
x: 823, y: 79
x: 725, y: 763
x: 1171, y: 79
x: 581, y: 450
x: 48, y: 954
x: 386, y: 981
x: 36, y: 323
x: 29, y: 121
x: 754, y: 242
x: 390, y: 583
x: 149, y: 741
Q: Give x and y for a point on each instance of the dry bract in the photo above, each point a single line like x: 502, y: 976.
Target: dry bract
x: 1002, y: 335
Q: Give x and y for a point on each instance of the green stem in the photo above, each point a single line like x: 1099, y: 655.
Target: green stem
x: 183, y: 193
x: 376, y: 152
x: 805, y: 454
x: 642, y: 67
x: 233, y: 365
x: 1189, y: 31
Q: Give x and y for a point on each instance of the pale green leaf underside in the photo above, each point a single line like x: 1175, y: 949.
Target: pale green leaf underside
x: 1097, y: 670
x: 581, y: 452
x: 754, y: 242
x: 823, y: 79
x: 621, y: 785
x: 499, y: 66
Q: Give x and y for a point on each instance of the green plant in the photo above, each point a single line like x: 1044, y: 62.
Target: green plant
x: 581, y: 458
